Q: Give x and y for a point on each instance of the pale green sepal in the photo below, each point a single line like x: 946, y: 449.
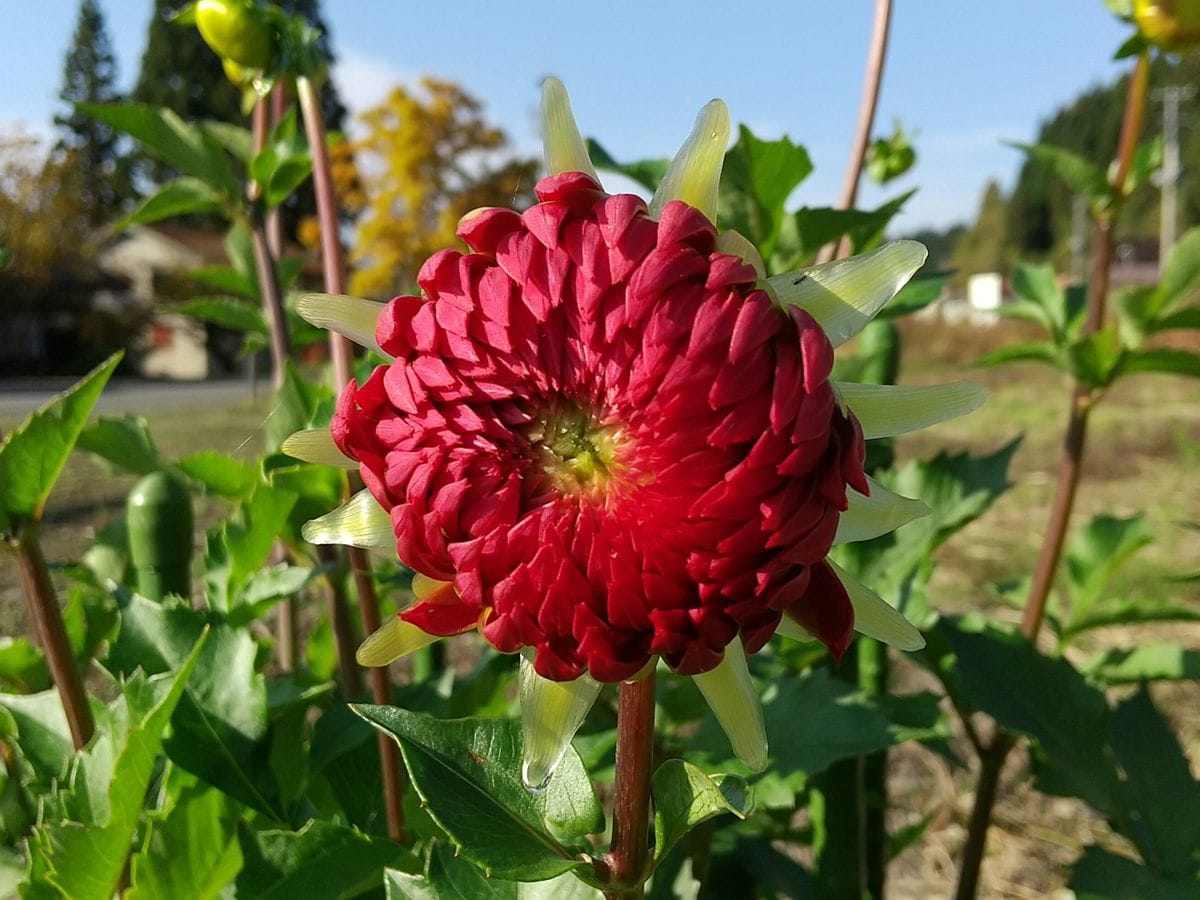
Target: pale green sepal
x: 875, y: 617
x: 793, y: 630
x: 564, y: 147
x: 360, y: 522
x: 885, y: 410
x: 350, y: 316
x: 391, y: 641
x: 315, y: 445
x: 875, y: 514
x: 731, y: 696
x: 843, y: 296
x: 695, y: 173
x: 551, y: 713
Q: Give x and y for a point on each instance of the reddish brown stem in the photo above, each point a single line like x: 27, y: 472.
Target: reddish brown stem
x: 264, y: 263
x: 42, y: 604
x: 333, y: 264
x: 1070, y: 466
x: 627, y: 862
x: 876, y: 55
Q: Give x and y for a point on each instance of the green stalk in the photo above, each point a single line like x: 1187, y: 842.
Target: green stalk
x: 991, y: 760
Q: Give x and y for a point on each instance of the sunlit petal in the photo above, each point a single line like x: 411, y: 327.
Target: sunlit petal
x: 565, y: 149
x: 551, y: 713
x: 350, y: 316
x: 843, y: 296
x: 394, y: 639
x: 875, y: 617
x: 315, y: 445
x: 695, y: 173
x: 880, y: 512
x: 886, y: 410
x: 361, y: 522
x: 731, y: 695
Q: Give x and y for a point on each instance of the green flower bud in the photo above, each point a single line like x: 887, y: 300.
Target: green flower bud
x: 237, y: 31
x: 1173, y: 25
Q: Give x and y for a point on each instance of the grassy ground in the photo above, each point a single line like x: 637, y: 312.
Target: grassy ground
x: 1143, y: 449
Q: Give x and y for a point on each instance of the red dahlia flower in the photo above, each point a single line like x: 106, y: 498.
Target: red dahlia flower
x: 604, y: 438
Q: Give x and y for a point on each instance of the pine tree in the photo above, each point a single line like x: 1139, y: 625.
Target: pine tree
x: 89, y: 147
x: 984, y: 248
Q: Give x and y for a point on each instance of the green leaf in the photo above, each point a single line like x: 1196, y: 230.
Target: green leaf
x: 39, y: 726
x: 1038, y: 285
x: 84, y: 859
x: 1184, y: 318
x: 1130, y: 611
x: 228, y: 312
x: 124, y: 443
x: 808, y: 229
x: 448, y: 877
x: 1095, y: 553
x: 192, y: 849
x: 267, y: 587
x: 290, y: 173
x: 22, y: 666
x: 1181, y: 275
x: 915, y: 296
x: 250, y: 533
x: 467, y: 771
x: 237, y: 140
x: 322, y: 859
x: 1096, y: 360
x: 1148, y: 662
x: 1101, y: 875
x: 220, y: 732
x: 33, y: 454
x: 1003, y: 674
x: 1159, y: 786
x: 181, y: 197
x: 225, y: 280
x: 1147, y: 159
x: 757, y: 178
x: 179, y: 144
x: 1077, y: 173
x: 647, y: 172
x: 1162, y: 359
x: 684, y: 797
x: 1029, y: 351
x: 219, y: 473
x: 296, y: 402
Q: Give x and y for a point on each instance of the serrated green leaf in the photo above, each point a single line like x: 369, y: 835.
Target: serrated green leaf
x: 267, y: 587
x: 220, y: 731
x: 1158, y: 785
x: 228, y: 312
x: 647, y: 172
x: 1094, y: 554
x: 82, y: 860
x: 42, y: 737
x: 684, y: 797
x: 1148, y: 662
x: 1167, y: 360
x: 756, y: 180
x: 1097, y: 359
x: 468, y: 773
x: 447, y: 877
x: 219, y: 473
x: 33, y: 454
x: 124, y: 443
x: 322, y: 859
x: 181, y: 197
x: 1101, y: 875
x: 192, y: 849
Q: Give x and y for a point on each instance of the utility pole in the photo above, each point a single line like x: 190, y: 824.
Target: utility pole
x: 1172, y: 96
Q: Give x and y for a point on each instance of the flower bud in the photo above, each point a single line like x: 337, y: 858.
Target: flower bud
x: 237, y: 31
x: 1173, y: 25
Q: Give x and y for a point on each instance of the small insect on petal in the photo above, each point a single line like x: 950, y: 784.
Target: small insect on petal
x: 551, y: 713
x: 315, y: 445
x: 877, y: 513
x: 875, y: 617
x: 361, y: 522
x: 393, y: 640
x: 350, y: 316
x: 845, y: 295
x: 695, y: 173
x: 885, y: 410
x: 731, y: 695
x: 564, y: 147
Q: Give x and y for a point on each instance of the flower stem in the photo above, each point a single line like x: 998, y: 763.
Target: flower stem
x: 866, y: 121
x: 42, y: 604
x: 333, y: 265
x: 628, y: 858
x: 264, y: 263
x: 992, y: 757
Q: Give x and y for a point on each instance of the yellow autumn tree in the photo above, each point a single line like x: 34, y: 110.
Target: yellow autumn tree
x: 427, y: 159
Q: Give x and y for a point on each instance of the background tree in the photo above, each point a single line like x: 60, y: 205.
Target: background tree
x: 984, y: 247
x: 428, y: 158
x: 91, y: 147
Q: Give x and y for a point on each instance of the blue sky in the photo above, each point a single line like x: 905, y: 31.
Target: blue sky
x: 965, y: 74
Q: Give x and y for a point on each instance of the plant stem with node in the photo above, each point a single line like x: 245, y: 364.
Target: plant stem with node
x: 42, y: 604
x: 339, y: 349
x: 628, y: 860
x: 866, y: 121
x: 992, y: 757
